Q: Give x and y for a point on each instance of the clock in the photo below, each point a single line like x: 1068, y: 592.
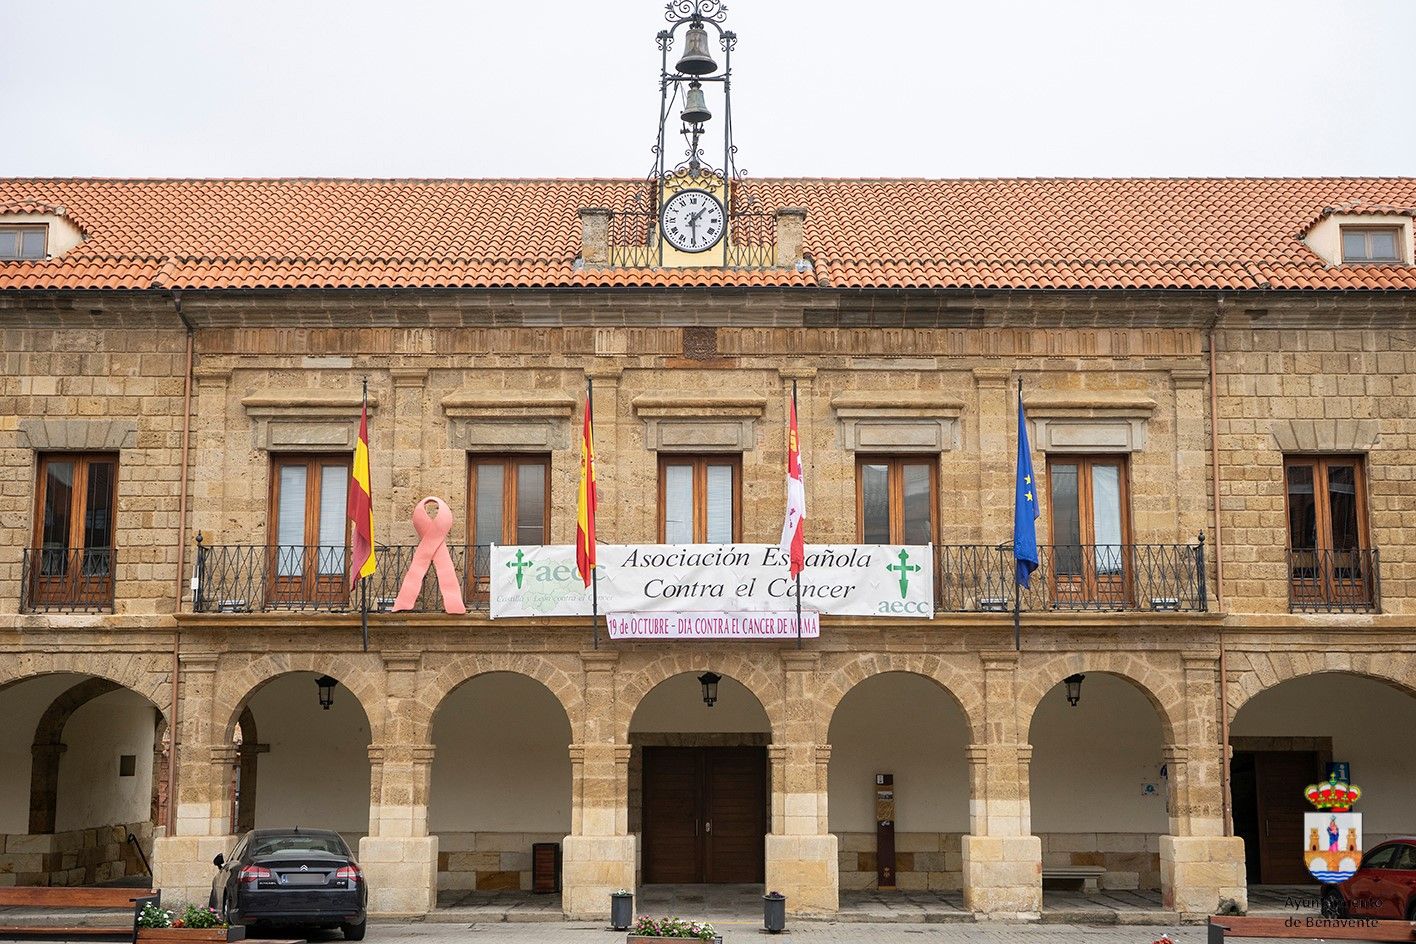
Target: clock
x: 693, y: 220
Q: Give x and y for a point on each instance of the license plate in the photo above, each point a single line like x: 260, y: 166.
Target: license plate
x: 302, y: 878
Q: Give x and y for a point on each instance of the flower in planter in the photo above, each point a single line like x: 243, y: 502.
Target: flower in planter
x: 154, y: 917
x: 673, y: 927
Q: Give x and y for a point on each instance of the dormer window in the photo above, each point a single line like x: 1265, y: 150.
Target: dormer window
x: 23, y: 242
x: 1371, y: 244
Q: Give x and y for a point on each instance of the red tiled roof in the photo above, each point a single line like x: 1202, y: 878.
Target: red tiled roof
x: 1207, y: 233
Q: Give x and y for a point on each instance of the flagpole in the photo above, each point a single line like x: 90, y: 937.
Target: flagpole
x: 803, y: 480
x: 1017, y: 587
x: 589, y: 472
x: 364, y: 581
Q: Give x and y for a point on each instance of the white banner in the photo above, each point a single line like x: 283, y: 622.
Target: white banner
x: 843, y: 580
x: 712, y: 625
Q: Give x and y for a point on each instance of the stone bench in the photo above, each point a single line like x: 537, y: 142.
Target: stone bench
x: 1084, y: 877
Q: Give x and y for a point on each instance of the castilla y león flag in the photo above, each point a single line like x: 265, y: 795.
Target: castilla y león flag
x: 585, y: 504
x: 793, y: 535
x: 360, y: 507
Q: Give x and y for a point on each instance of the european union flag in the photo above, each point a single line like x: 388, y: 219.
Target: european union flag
x: 1024, y: 504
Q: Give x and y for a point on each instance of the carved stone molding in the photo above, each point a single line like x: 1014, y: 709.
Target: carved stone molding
x: 1089, y: 420
x: 896, y: 421
x: 699, y: 424
x: 508, y: 420
x: 1326, y: 435
x: 305, y: 420
x: 74, y: 434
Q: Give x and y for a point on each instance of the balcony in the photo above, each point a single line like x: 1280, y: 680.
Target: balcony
x: 1137, y: 577
x: 243, y: 578
x: 1321, y: 580
x: 67, y: 580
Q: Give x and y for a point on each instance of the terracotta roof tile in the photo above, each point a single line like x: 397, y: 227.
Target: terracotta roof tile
x: 1082, y: 233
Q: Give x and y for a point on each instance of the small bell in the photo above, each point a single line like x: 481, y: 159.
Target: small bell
x: 695, y: 106
x: 696, y: 60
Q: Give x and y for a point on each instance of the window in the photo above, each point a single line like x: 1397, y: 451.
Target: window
x: 74, y: 530
x: 895, y: 500
x: 1371, y: 244
x: 1380, y: 858
x: 1327, y: 533
x: 23, y: 242
x: 310, y: 496
x: 1090, y: 515
x: 700, y: 499
x: 509, y: 503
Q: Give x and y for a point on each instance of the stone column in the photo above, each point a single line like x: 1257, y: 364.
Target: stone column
x: 801, y: 853
x: 398, y: 856
x: 1200, y: 867
x: 599, y: 855
x: 1002, y: 860
x: 201, y: 810
x: 406, y: 483
x: 996, y: 426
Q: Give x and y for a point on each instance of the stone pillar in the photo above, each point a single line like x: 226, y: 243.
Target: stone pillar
x: 790, y: 221
x: 398, y: 856
x: 1200, y: 867
x: 599, y: 856
x: 406, y: 483
x: 996, y: 427
x: 594, y: 236
x: 1002, y: 860
x: 801, y: 853
x: 201, y: 811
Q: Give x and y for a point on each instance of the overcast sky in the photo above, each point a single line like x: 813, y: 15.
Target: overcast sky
x: 559, y: 88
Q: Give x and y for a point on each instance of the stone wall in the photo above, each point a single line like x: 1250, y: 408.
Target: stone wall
x: 74, y: 857
x: 488, y: 862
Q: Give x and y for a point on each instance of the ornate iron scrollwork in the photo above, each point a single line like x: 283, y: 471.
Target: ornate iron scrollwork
x: 712, y: 11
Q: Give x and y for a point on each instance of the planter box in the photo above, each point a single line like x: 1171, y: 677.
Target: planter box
x: 236, y: 932
x: 644, y: 939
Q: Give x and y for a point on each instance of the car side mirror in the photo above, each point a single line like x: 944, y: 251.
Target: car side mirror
x: 219, y: 861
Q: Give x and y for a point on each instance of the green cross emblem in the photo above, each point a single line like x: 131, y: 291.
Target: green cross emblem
x: 904, y: 568
x: 521, y: 563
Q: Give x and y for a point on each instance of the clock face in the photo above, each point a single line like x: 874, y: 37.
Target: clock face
x: 693, y: 220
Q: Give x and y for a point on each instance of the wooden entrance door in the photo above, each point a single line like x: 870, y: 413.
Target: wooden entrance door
x: 705, y: 814
x: 1273, y: 819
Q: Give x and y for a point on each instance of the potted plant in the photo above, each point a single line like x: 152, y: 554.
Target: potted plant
x: 647, y: 930
x: 621, y: 909
x: 185, y: 926
x: 774, y: 912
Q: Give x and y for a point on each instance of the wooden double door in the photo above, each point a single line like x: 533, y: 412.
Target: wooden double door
x: 1269, y: 803
x: 704, y: 814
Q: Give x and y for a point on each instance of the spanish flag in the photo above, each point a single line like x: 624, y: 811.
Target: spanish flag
x: 585, y: 503
x: 360, y: 506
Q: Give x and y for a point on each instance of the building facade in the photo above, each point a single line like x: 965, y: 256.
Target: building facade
x: 1217, y: 377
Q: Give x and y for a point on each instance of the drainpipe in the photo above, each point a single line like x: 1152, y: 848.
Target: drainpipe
x: 1225, y: 800
x: 170, y: 820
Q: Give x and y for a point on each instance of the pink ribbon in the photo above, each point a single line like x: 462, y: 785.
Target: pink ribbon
x: 432, y: 549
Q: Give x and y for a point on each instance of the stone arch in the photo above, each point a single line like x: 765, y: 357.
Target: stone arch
x: 633, y: 685
x: 1161, y: 688
x: 1266, y: 670
x: 362, y: 676
x: 147, y: 676
x: 49, y: 744
x: 965, y: 691
x: 561, y: 680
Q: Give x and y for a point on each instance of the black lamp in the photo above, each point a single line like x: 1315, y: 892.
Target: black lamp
x: 326, y: 685
x: 709, y: 681
x: 1074, y: 689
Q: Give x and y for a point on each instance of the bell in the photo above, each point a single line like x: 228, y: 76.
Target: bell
x: 696, y: 60
x: 695, y: 107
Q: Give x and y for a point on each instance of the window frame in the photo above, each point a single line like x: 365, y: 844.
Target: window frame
x: 895, y: 488
x: 1366, y: 230
x: 1319, y: 582
x: 1090, y: 586
x: 1323, y: 509
x: 67, y: 587
x: 310, y: 586
x: 700, y: 462
x: 509, y: 462
x: 21, y: 228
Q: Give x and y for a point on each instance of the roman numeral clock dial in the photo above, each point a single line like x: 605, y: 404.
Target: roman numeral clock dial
x: 693, y: 221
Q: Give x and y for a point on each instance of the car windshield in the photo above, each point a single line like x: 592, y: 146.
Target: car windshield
x: 297, y: 842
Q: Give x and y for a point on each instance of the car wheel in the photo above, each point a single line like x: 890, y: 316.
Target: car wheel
x: 1333, y: 904
x: 354, y: 932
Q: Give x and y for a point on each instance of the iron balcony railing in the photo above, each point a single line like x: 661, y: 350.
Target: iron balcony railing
x: 244, y: 578
x: 1153, y: 577
x: 1333, y: 581
x: 67, y: 580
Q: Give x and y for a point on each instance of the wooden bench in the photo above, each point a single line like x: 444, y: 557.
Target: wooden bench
x: 72, y: 898
x: 1311, y: 927
x: 1086, y: 876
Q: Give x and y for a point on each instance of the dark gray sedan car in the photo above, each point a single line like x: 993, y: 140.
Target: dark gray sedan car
x: 292, y: 877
